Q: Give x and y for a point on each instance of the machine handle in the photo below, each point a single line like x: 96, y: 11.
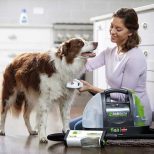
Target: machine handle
x: 56, y: 137
x: 121, y: 90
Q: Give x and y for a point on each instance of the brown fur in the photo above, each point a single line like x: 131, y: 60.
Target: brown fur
x: 25, y: 69
x: 70, y: 50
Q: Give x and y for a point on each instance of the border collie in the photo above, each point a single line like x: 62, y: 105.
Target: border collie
x: 40, y: 79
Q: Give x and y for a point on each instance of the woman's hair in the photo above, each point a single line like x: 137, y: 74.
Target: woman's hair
x: 130, y: 20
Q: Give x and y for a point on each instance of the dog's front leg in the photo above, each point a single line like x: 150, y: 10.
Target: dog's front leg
x: 65, y: 114
x: 43, y: 114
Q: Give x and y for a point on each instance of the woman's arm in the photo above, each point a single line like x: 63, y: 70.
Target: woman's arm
x: 92, y: 64
x: 96, y: 62
x: 90, y: 88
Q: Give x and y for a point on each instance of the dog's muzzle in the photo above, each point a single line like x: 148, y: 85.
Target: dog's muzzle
x: 89, y: 47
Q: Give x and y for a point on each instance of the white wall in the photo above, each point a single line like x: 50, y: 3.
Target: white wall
x: 62, y: 10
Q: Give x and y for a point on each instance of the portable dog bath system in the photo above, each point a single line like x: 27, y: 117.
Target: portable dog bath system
x: 125, y: 115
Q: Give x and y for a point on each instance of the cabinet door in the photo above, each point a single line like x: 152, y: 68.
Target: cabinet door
x: 146, y: 25
x: 150, y: 87
x: 149, y: 54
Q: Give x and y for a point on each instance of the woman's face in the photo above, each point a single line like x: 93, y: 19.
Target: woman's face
x: 119, y: 33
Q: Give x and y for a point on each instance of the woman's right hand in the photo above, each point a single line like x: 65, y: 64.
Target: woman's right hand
x: 86, y: 86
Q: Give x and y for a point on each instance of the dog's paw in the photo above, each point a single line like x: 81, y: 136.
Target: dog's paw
x: 43, y: 140
x: 34, y: 132
x: 2, y: 133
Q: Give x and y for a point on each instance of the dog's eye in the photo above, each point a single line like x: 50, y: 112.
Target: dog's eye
x: 77, y: 46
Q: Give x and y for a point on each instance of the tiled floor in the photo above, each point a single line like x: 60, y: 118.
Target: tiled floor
x: 17, y: 140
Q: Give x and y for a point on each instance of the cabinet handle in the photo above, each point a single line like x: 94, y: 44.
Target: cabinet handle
x: 145, y: 25
x: 145, y: 53
x: 99, y: 27
x: 12, y: 55
x: 12, y: 37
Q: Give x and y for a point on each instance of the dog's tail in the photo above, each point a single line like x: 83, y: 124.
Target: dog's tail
x: 8, y: 86
x: 19, y: 104
x: 11, y: 97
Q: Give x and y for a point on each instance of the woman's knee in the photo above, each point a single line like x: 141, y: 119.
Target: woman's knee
x: 76, y: 123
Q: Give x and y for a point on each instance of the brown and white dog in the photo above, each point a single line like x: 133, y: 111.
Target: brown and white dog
x: 40, y: 79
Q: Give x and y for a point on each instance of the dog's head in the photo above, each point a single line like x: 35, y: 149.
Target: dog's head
x: 74, y: 48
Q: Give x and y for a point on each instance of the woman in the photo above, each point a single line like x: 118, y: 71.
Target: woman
x: 125, y: 63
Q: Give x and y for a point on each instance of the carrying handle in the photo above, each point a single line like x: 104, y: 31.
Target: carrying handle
x: 121, y: 90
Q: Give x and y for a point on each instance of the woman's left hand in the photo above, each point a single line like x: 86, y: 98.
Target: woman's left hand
x: 89, y: 87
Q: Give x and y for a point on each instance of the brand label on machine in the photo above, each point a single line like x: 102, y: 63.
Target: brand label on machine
x: 117, y: 114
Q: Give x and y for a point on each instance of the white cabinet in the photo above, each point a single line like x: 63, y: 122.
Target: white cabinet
x: 146, y: 32
x: 19, y: 39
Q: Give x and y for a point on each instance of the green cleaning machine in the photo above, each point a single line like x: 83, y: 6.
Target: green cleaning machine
x: 119, y: 116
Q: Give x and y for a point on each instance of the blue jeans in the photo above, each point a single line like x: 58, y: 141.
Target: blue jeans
x: 76, y: 124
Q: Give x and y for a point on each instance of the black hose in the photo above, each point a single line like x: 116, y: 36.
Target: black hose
x: 56, y: 137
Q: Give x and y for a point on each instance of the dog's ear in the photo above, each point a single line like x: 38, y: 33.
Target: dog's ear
x: 65, y: 48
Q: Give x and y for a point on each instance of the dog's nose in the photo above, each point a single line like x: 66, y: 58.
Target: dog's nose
x: 95, y: 44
